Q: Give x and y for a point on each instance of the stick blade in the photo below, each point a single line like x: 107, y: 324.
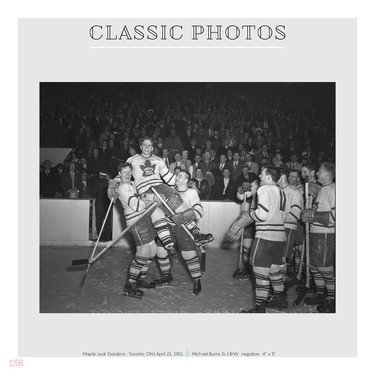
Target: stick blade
x: 203, y: 261
x: 79, y: 262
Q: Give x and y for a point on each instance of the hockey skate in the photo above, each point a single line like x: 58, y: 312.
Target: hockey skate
x: 203, y: 239
x: 277, y: 301
x: 130, y: 290
x: 257, y: 309
x: 197, y: 287
x: 316, y: 299
x: 145, y: 284
x: 243, y: 273
x: 328, y: 306
x: 165, y: 280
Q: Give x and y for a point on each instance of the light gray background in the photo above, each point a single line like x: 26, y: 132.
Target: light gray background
x: 58, y: 50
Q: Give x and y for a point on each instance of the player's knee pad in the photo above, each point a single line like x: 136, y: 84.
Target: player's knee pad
x: 247, y: 242
x: 189, y: 254
x: 144, y: 250
x: 261, y: 273
x: 153, y: 249
x: 172, y: 197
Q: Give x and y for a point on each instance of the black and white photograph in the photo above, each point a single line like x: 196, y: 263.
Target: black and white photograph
x: 178, y: 185
x: 187, y: 197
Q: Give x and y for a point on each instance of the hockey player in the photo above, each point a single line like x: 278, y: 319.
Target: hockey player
x: 143, y: 233
x: 270, y: 238
x: 149, y: 171
x: 293, y: 208
x: 308, y: 174
x: 247, y: 194
x: 186, y: 245
x: 322, y: 217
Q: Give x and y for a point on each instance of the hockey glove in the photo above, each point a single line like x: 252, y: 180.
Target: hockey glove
x: 235, y: 230
x: 182, y: 217
x: 112, y: 189
x: 311, y: 216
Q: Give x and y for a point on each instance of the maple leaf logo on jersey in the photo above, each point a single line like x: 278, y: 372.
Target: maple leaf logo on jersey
x: 148, y: 168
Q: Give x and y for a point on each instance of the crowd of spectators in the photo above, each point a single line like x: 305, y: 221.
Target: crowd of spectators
x: 222, y: 133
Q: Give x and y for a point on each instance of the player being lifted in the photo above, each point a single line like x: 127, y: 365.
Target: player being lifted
x: 270, y: 238
x: 150, y: 171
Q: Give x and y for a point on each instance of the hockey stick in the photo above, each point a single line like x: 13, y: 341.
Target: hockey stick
x: 241, y: 249
x: 203, y: 252
x: 305, y: 250
x: 78, y: 262
x: 97, y: 241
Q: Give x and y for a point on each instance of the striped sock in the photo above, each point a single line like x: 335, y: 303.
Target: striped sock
x: 262, y: 284
x: 282, y: 271
x: 162, y: 229
x: 297, y: 259
x: 328, y: 274
x: 164, y: 262
x: 192, y: 263
x: 136, y: 267
x: 145, y: 268
x: 318, y: 280
x: 277, y: 279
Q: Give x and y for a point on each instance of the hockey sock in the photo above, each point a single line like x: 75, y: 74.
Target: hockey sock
x: 136, y: 267
x: 142, y: 274
x: 282, y: 271
x: 328, y: 274
x: 164, y: 262
x: 262, y: 284
x: 297, y: 260
x: 318, y: 280
x: 192, y: 263
x: 162, y: 229
x: 246, y: 251
x: 277, y: 279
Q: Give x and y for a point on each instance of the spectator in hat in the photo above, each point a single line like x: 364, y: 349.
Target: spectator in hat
x: 246, y: 176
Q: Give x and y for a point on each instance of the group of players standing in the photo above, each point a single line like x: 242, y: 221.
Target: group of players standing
x: 276, y: 213
x: 270, y: 224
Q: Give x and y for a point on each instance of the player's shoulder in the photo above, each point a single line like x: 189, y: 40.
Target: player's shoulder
x: 329, y: 189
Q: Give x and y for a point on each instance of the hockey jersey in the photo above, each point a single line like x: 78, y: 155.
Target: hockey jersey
x: 293, y: 206
x: 132, y: 205
x: 325, y: 201
x: 270, y: 213
x: 150, y: 171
